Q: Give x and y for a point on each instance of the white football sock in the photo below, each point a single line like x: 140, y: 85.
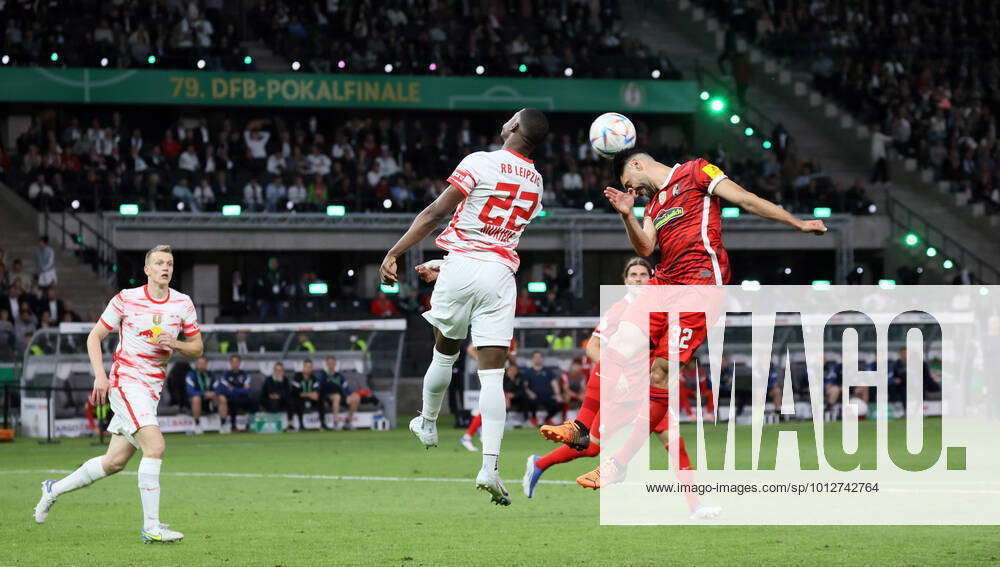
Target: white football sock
x: 436, y: 381
x: 87, y: 473
x: 493, y: 408
x: 149, y: 491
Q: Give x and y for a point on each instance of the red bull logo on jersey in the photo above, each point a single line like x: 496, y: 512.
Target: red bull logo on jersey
x: 154, y: 332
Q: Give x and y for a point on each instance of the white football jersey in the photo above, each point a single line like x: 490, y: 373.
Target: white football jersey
x: 503, y: 192
x: 140, y: 319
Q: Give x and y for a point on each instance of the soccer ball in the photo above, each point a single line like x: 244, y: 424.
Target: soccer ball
x: 611, y: 133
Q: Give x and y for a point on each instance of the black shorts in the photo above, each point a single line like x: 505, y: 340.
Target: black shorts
x: 330, y: 388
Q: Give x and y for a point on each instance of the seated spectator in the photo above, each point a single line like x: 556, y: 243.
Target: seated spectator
x: 515, y: 392
x: 275, y: 195
x: 204, y: 196
x: 319, y: 163
x: 382, y: 306
x: 41, y: 193
x: 182, y: 192
x: 188, y: 160
x: 275, y: 395
x: 201, y: 386
x: 542, y: 389
x: 297, y: 193
x: 253, y: 195
x: 304, y: 391
x: 235, y: 388
x: 551, y: 305
x: 335, y: 388
x: 525, y: 303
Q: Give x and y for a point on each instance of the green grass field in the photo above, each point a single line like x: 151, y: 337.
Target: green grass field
x: 266, y: 520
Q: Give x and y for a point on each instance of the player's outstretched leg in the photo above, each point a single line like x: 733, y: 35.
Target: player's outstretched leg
x: 493, y: 408
x: 153, y: 445
x: 466, y: 439
x: 119, y: 453
x: 436, y: 381
x: 563, y: 454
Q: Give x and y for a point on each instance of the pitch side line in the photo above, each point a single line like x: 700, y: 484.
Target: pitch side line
x: 291, y: 476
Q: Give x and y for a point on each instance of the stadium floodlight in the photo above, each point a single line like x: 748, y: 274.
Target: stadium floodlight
x: 231, y: 210
x: 387, y: 204
x: 394, y: 288
x: 388, y: 67
x: 920, y: 269
x: 730, y: 212
x: 931, y: 252
x: 318, y: 288
x: 180, y: 205
x: 104, y: 61
x: 788, y: 271
x: 947, y: 264
x: 75, y: 204
x: 433, y: 67
x: 639, y: 211
x: 537, y: 287
x: 480, y: 69
x: 341, y: 64
x: 766, y: 144
x: 655, y: 74
x: 247, y: 60
x: 296, y: 65
x: 717, y: 105
x: 872, y: 209
x: 750, y: 285
x: 200, y: 64
x: 151, y: 59
x: 522, y: 68
x: 911, y: 239
x: 821, y: 285
x: 568, y: 71
x: 350, y: 273
x: 290, y: 205
x: 734, y: 119
x: 704, y: 95
x: 859, y: 270
x: 5, y: 59
x: 822, y: 212
x: 128, y: 209
x: 336, y: 210
x: 887, y: 284
x: 588, y: 206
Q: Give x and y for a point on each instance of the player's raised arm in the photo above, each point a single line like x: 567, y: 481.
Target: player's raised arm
x: 99, y: 395
x: 424, y: 223
x: 642, y: 237
x: 732, y: 192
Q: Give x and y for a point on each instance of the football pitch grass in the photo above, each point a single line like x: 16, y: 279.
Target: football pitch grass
x: 377, y: 498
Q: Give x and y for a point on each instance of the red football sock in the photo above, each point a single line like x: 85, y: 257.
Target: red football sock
x: 644, y: 425
x: 591, y: 400
x: 564, y: 454
x: 477, y: 422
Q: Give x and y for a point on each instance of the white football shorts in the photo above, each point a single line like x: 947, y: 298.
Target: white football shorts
x: 134, y: 407
x: 476, y: 293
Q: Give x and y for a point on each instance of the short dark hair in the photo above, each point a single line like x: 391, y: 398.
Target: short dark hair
x: 622, y: 158
x: 636, y: 261
x: 307, y: 361
x: 534, y: 352
x: 534, y: 126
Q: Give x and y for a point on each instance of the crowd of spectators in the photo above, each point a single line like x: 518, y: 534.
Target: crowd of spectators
x: 366, y: 163
x: 234, y: 391
x: 414, y: 36
x: 924, y: 75
x: 27, y: 305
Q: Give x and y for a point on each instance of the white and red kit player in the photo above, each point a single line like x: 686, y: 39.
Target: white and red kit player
x: 491, y: 197
x: 149, y: 320
x: 683, y: 217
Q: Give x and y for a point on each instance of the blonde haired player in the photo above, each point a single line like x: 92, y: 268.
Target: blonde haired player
x: 148, y: 319
x: 496, y: 195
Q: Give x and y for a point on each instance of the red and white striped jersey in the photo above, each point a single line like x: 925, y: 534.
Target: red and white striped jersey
x: 140, y: 319
x: 503, y: 192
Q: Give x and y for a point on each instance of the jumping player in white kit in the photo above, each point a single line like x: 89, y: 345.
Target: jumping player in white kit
x: 148, y: 320
x: 496, y: 195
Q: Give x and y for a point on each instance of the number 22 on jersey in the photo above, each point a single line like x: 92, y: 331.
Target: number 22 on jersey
x: 510, y: 213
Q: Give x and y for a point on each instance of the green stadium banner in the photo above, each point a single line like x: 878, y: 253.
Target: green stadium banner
x: 132, y: 86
